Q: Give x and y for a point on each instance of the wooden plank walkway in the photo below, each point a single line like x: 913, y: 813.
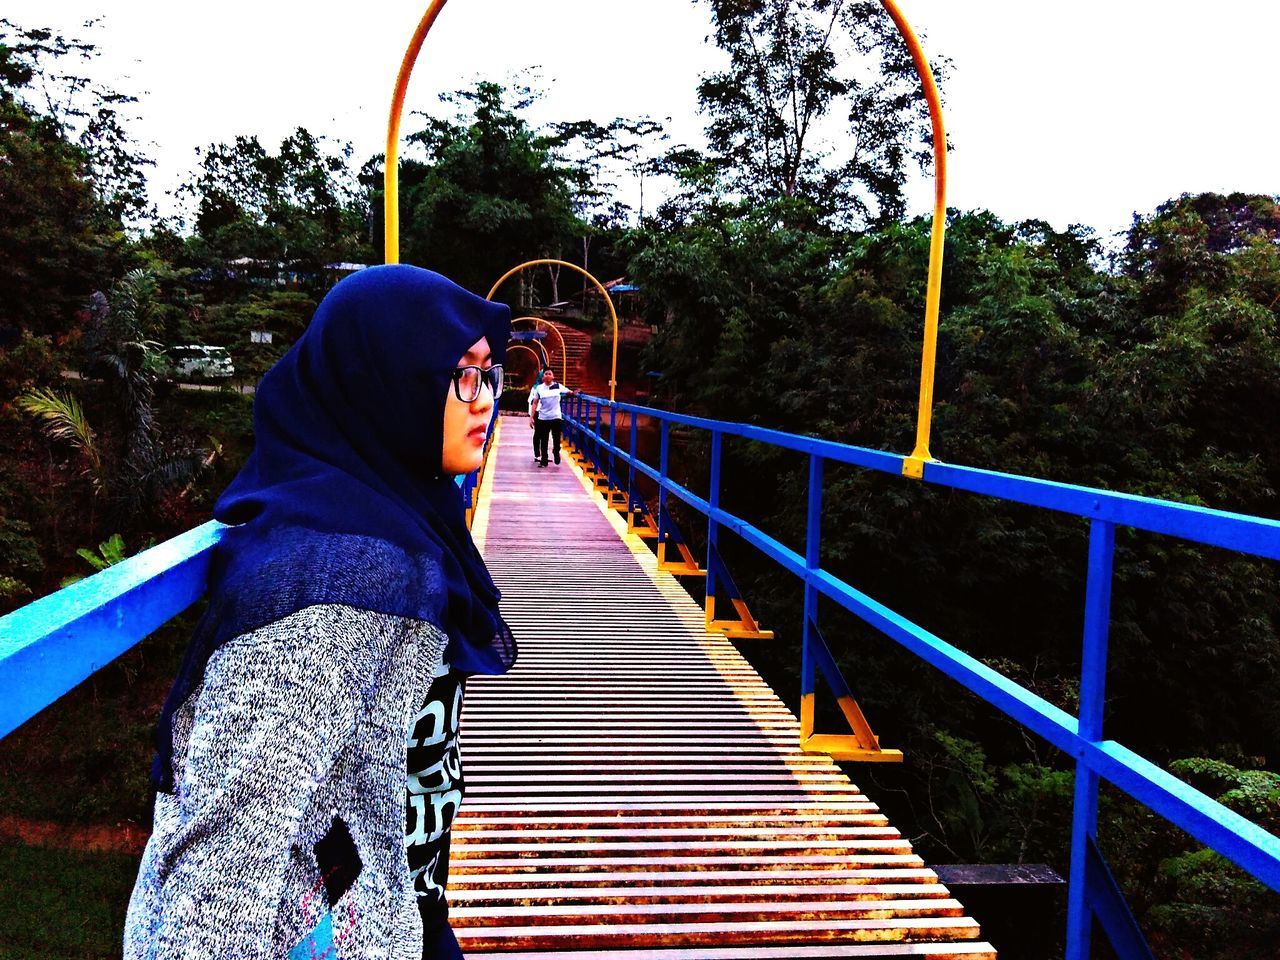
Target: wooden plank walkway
x: 633, y: 789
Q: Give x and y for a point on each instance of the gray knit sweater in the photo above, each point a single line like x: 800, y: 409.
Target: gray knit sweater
x: 296, y: 737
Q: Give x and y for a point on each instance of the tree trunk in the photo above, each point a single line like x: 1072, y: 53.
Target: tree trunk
x: 553, y: 269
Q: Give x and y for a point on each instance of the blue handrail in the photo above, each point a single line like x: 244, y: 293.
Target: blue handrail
x: 1233, y: 836
x: 54, y: 643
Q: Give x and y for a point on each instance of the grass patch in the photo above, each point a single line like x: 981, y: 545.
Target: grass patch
x: 63, y: 903
x: 86, y: 758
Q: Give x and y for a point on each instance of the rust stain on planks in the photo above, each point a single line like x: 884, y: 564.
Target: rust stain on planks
x: 634, y: 789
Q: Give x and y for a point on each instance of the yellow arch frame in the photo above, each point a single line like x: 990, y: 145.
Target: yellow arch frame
x: 613, y: 315
x: 564, y: 367
x: 914, y: 464
x: 544, y: 358
x: 521, y: 346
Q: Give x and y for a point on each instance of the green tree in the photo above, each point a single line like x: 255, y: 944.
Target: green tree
x: 820, y: 100
x: 141, y: 466
x: 59, y: 226
x: 35, y: 76
x: 492, y: 192
x: 300, y: 207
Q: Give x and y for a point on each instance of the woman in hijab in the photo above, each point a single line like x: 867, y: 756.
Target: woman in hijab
x: 307, y: 771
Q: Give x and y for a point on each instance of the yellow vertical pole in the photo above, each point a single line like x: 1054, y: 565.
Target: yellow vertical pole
x: 913, y: 466
x: 391, y: 171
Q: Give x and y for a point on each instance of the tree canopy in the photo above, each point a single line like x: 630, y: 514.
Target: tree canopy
x: 820, y: 101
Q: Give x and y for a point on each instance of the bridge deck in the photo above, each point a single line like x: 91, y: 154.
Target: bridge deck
x: 632, y: 785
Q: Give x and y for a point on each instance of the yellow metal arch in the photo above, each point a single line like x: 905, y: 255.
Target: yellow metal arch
x: 544, y: 358
x: 608, y: 301
x: 521, y: 346
x: 391, y: 171
x: 914, y: 464
x: 564, y: 362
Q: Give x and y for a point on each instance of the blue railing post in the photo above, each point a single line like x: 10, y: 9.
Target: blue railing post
x: 613, y: 445
x: 713, y: 528
x: 631, y: 466
x: 596, y: 462
x: 579, y: 434
x: 1093, y: 682
x: 812, y: 561
x: 664, y: 455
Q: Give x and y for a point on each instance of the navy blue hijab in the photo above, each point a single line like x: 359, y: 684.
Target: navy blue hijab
x: 344, y: 499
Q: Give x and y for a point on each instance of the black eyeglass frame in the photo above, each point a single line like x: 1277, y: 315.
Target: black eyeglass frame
x: 492, y: 375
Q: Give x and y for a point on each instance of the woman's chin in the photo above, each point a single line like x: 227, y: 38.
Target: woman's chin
x: 466, y: 465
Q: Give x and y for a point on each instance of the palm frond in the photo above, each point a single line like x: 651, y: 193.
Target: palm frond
x: 62, y: 418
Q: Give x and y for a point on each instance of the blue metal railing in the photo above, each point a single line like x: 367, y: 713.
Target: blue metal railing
x: 1092, y: 894
x: 54, y: 643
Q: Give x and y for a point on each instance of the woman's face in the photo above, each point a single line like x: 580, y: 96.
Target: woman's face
x: 465, y: 424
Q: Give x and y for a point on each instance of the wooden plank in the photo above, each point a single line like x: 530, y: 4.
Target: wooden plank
x: 636, y: 790
x: 656, y: 934
x: 916, y: 951
x: 836, y: 878
x: 705, y: 893
x: 701, y: 912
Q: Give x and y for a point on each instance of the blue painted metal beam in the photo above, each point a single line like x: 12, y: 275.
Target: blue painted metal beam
x: 1217, y: 528
x: 1239, y: 840
x: 1233, y: 836
x: 1108, y: 904
x: 51, y: 645
x: 1220, y: 528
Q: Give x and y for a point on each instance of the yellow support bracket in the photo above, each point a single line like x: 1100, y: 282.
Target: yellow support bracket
x: 860, y: 745
x: 745, y: 627
x: 913, y: 466
x: 686, y: 566
x: 647, y: 530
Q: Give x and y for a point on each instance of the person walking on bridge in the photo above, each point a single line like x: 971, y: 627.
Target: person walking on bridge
x: 545, y: 416
x: 307, y: 772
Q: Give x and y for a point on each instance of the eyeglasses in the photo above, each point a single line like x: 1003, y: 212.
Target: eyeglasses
x: 468, y: 380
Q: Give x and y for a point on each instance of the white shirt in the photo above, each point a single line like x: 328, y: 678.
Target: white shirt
x: 548, y: 400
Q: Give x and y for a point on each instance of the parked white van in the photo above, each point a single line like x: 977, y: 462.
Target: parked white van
x: 196, y: 361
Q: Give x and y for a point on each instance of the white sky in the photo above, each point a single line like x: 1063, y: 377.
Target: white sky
x: 1071, y: 112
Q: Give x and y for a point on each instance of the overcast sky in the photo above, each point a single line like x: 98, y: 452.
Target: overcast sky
x: 1077, y: 112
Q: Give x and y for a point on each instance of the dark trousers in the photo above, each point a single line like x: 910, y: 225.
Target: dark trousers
x: 540, y: 431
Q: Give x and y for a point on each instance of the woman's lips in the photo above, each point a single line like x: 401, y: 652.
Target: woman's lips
x: 478, y: 434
